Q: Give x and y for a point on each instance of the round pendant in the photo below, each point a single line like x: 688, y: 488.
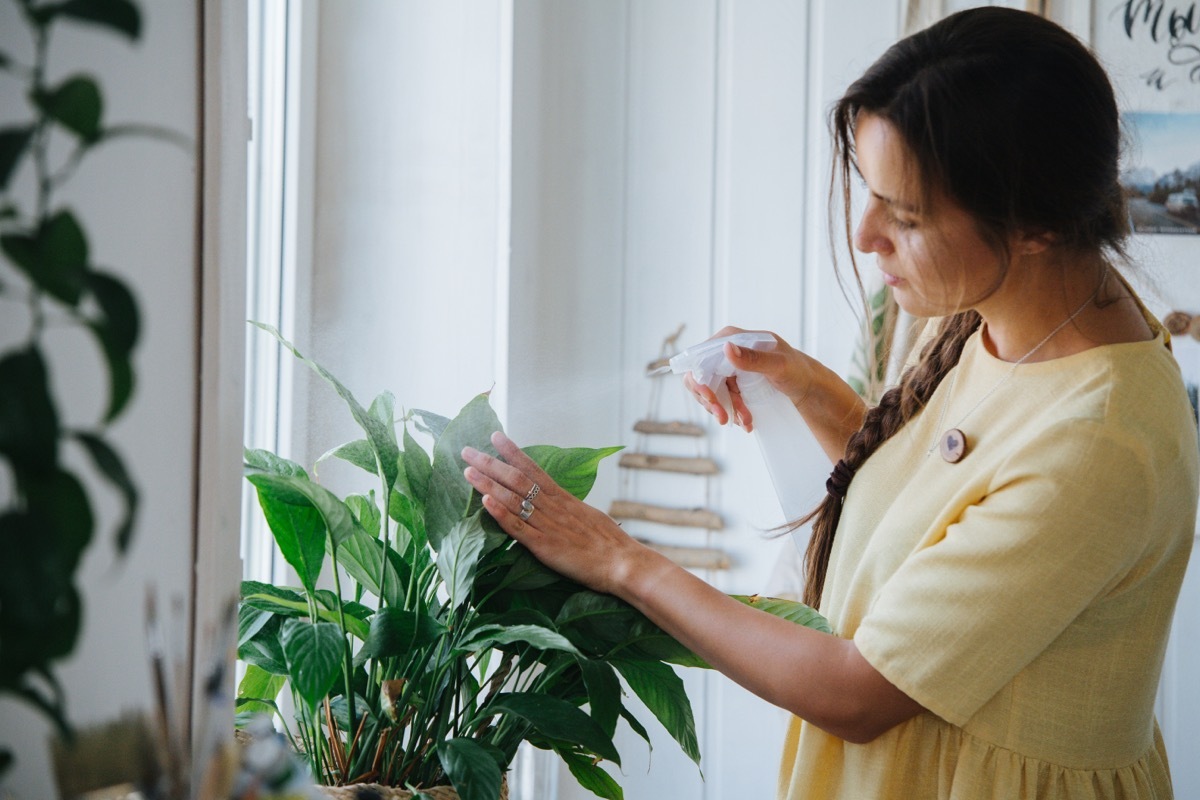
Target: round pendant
x: 953, y: 445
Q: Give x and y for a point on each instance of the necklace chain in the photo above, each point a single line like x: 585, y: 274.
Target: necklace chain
x: 954, y: 380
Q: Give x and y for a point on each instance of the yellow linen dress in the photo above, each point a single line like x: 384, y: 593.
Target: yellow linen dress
x: 1023, y: 595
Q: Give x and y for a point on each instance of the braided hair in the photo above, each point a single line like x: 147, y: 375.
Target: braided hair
x: 1015, y: 121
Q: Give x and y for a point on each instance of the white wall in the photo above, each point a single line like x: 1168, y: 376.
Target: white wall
x: 135, y: 198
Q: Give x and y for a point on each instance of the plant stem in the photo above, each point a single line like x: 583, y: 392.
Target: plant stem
x: 348, y: 655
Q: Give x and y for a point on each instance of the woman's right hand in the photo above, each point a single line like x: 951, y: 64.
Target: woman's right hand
x: 788, y: 370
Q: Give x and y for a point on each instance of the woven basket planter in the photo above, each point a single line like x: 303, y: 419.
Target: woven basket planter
x: 373, y: 791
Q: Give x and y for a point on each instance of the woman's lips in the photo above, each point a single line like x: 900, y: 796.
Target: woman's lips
x: 890, y: 280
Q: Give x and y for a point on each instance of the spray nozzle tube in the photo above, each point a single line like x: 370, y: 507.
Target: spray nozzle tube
x: 707, y: 362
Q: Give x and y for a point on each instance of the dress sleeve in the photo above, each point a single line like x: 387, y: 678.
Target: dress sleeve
x: 1064, y: 520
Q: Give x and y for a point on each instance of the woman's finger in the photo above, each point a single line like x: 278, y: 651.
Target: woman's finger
x: 517, y: 458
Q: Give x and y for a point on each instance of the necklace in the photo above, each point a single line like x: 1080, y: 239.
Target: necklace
x: 953, y: 442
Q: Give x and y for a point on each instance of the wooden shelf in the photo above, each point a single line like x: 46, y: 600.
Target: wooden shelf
x: 692, y: 557
x: 681, y: 517
x: 668, y: 428
x: 691, y: 466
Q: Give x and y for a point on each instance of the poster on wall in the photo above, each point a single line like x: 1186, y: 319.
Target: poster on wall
x: 1151, y: 48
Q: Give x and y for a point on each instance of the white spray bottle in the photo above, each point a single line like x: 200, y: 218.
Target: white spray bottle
x: 783, y: 437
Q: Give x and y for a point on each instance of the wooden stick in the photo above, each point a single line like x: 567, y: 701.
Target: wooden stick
x: 682, y: 517
x: 668, y: 428
x: 692, y: 466
x: 692, y: 557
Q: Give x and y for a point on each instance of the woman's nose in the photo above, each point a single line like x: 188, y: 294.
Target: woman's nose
x: 869, y: 236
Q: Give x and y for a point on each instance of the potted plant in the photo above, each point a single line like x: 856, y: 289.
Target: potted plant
x: 443, y: 644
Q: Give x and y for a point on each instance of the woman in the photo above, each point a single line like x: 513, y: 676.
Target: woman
x: 1004, y: 536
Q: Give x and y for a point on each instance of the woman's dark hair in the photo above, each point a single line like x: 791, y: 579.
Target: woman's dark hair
x: 1013, y: 119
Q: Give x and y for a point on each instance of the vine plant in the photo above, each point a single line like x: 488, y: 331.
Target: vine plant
x: 48, y: 281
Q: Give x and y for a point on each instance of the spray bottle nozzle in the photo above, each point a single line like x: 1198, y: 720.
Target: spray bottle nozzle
x: 707, y: 362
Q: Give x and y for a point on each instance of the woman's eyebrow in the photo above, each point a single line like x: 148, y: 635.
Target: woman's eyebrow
x: 893, y: 203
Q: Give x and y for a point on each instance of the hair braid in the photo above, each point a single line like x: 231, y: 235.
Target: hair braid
x: 897, y: 406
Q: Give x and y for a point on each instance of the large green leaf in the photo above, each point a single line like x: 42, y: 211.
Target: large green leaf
x: 572, y: 468
x: 314, y: 658
x: 110, y: 465
x: 76, y: 105
x: 540, y: 637
x: 61, y: 504
x: 357, y: 452
x: 28, y: 419
x: 256, y: 686
x: 251, y: 620
x: 40, y: 609
x: 264, y: 649
x: 417, y: 470
x: 458, y: 558
x: 119, y: 309
x: 270, y: 598
x: 398, y: 631
x: 556, y: 719
x: 54, y: 257
x: 119, y: 15
x: 338, y: 518
x: 13, y: 143
x: 298, y: 528
x: 471, y: 769
x: 361, y: 555
x: 790, y: 610
x: 604, y: 692
x: 591, y: 775
x: 431, y: 423
x: 450, y: 495
x: 381, y: 436
x: 365, y: 511
x: 657, y: 685
x: 267, y: 461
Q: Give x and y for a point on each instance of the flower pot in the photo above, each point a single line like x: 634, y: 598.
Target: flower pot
x: 373, y: 791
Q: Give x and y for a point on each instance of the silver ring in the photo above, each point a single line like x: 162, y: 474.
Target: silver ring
x: 532, y: 494
x: 527, y: 510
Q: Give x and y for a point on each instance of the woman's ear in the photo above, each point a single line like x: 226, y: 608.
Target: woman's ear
x: 1035, y: 242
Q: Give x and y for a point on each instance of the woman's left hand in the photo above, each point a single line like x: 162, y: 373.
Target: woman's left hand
x: 561, y: 531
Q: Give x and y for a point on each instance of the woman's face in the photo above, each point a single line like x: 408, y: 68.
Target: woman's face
x: 932, y: 256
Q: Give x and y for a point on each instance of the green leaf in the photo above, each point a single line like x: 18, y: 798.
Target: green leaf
x: 556, y: 719
x: 258, y: 689
x: 40, y: 609
x: 121, y: 321
x: 357, y: 452
x: 637, y: 727
x: 417, y: 471
x: 790, y: 610
x: 61, y: 504
x: 298, y: 528
x: 341, y: 711
x: 54, y: 257
x: 337, y: 516
x: 430, y: 423
x: 251, y: 620
x: 590, y: 775
x: 264, y: 650
x: 366, y: 512
x: 75, y: 104
x: 120, y: 372
x: 458, y: 558
x: 527, y: 573
x: 572, y: 468
x: 289, y: 604
x: 604, y: 692
x: 6, y: 761
x: 361, y: 556
x: 657, y: 685
x: 449, y: 493
x: 540, y: 637
x: 113, y: 469
x: 28, y: 419
x: 399, y: 631
x: 471, y: 768
x: 314, y: 658
x: 267, y: 461
x: 13, y: 142
x: 121, y: 16
x: 381, y: 436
